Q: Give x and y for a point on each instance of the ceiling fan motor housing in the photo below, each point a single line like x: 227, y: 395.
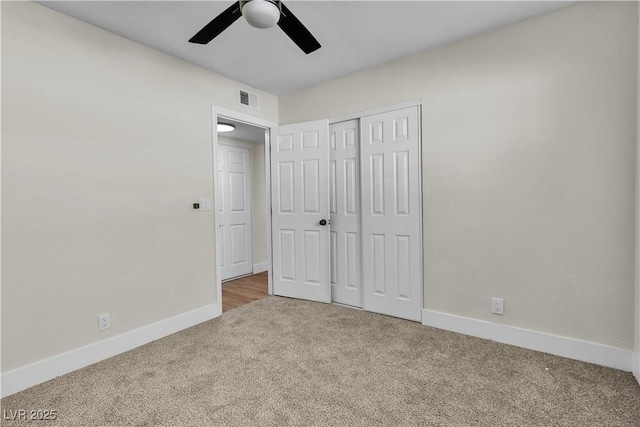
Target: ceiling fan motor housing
x: 261, y: 13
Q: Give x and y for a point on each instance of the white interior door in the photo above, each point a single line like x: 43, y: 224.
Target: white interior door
x: 344, y: 202
x: 300, y: 202
x: 392, y: 250
x: 234, y: 211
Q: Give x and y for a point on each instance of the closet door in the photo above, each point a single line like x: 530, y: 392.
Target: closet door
x: 300, y: 210
x: 234, y: 211
x: 392, y: 250
x: 344, y: 202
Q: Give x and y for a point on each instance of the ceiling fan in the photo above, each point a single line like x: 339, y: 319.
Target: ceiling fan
x: 260, y: 14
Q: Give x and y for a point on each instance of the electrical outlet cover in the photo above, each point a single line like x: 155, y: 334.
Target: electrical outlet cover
x: 104, y: 321
x: 497, y: 306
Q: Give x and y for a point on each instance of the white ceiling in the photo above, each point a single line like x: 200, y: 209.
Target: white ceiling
x: 354, y: 34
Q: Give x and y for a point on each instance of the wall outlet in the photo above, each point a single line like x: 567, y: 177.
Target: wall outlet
x: 104, y: 321
x: 497, y: 306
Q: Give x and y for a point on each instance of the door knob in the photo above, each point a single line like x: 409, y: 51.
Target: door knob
x: 323, y: 222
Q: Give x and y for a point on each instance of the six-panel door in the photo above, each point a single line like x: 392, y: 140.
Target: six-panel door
x: 300, y: 201
x: 391, y: 214
x: 344, y: 202
x: 234, y: 211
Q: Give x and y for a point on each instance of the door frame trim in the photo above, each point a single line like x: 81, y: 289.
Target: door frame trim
x: 384, y: 109
x: 257, y: 122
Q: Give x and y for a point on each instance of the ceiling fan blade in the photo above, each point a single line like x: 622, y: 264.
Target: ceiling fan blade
x: 297, y: 31
x: 217, y: 25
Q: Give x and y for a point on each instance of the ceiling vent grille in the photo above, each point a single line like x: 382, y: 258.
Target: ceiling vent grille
x: 249, y: 99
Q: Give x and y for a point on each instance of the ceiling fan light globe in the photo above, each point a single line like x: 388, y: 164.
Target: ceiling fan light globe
x: 261, y: 13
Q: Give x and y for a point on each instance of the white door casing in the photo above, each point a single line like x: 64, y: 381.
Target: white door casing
x: 233, y: 206
x: 300, y: 200
x: 344, y: 203
x: 391, y: 214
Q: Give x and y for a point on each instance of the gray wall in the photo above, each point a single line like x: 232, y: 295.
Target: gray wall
x: 105, y: 146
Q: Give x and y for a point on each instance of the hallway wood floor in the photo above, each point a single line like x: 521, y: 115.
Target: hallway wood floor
x: 244, y: 290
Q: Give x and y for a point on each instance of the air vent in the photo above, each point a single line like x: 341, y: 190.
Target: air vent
x: 249, y: 99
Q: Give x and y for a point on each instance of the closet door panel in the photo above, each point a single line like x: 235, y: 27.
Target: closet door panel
x: 391, y: 228
x: 344, y: 166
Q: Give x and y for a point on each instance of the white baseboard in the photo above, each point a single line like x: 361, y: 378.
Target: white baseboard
x: 45, y: 370
x: 571, y: 348
x: 259, y: 268
x: 636, y: 366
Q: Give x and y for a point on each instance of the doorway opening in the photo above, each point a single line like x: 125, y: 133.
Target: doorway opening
x: 244, y: 290
x: 241, y: 211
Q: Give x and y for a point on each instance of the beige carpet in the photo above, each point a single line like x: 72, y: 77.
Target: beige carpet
x: 279, y: 361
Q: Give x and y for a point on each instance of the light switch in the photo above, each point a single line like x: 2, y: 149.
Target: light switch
x: 205, y: 204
